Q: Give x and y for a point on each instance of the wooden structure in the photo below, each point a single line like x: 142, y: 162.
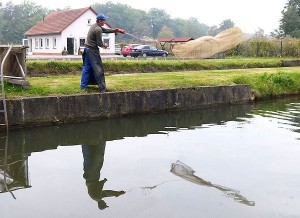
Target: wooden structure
x: 13, y: 64
x: 13, y: 70
x: 173, y: 41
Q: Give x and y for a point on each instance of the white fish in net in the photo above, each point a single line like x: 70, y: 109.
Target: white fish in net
x: 208, y: 46
x: 186, y: 172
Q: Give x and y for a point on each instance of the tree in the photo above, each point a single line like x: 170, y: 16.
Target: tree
x: 213, y: 30
x: 277, y: 33
x: 165, y: 32
x: 295, y: 3
x: 157, y: 18
x: 226, y: 24
x: 17, y: 19
x: 194, y: 29
x: 176, y: 26
x: 118, y: 13
x: 260, y: 33
x: 141, y: 30
x: 1, y: 24
x: 290, y: 22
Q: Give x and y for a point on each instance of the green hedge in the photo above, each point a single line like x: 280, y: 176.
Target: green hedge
x: 261, y: 47
x: 43, y: 68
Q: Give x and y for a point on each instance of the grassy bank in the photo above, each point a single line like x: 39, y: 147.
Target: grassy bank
x: 265, y: 82
x: 42, y: 68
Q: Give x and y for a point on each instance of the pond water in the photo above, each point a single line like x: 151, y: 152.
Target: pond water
x: 230, y: 162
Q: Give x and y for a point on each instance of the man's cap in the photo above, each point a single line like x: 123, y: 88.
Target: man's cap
x: 101, y: 17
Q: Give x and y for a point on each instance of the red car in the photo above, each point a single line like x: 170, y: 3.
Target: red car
x: 127, y: 48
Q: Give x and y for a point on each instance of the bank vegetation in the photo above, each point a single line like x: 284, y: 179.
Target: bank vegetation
x: 37, y: 68
x: 267, y: 77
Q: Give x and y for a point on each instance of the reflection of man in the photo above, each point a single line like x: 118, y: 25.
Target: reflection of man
x: 93, y: 157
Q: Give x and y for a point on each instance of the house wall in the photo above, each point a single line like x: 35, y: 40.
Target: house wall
x: 79, y: 29
x: 38, y: 44
x: 45, y: 44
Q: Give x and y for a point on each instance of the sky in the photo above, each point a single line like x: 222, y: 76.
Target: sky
x: 249, y: 15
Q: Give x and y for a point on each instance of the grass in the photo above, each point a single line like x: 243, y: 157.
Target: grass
x: 265, y: 82
x: 63, y: 67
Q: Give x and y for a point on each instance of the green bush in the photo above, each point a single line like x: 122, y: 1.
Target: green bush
x: 269, y: 85
x: 43, y: 68
x: 262, y: 47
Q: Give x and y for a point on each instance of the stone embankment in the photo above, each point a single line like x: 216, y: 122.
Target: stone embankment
x: 61, y: 109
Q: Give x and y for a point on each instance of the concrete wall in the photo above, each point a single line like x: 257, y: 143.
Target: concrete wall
x: 49, y: 110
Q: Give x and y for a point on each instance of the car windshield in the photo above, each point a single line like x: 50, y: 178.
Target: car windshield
x: 140, y: 47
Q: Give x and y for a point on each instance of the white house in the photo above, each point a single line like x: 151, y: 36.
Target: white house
x: 65, y: 30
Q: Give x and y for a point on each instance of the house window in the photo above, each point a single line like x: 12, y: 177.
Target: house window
x: 106, y: 41
x: 47, y: 43
x: 89, y: 22
x: 41, y: 43
x: 54, y: 42
x: 81, y: 42
x: 36, y: 42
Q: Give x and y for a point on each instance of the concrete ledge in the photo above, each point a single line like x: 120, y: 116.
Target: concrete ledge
x: 290, y: 63
x: 59, y: 109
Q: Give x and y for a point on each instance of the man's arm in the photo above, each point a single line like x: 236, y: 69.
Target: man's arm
x: 104, y: 30
x: 115, y: 30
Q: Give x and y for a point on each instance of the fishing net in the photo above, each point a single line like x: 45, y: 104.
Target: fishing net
x: 186, y: 172
x: 208, y: 46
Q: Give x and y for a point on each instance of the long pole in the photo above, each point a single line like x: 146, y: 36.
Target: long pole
x: 2, y: 87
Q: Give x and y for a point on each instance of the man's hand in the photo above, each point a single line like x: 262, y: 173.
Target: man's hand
x: 117, y: 30
x: 105, y: 46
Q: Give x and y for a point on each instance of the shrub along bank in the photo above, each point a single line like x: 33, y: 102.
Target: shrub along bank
x: 262, y: 47
x: 43, y: 68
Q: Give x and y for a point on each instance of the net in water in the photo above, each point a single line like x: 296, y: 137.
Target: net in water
x: 186, y: 172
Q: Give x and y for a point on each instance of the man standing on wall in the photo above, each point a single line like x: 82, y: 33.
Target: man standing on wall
x: 92, y: 70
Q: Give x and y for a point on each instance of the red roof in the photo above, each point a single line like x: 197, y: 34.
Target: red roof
x: 57, y: 21
x: 183, y: 39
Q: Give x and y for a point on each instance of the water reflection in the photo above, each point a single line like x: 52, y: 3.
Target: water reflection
x: 283, y: 111
x: 13, y: 170
x: 93, y: 157
x: 92, y: 136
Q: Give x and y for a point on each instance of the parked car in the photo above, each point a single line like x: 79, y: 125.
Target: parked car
x: 117, y: 49
x: 126, y: 49
x: 147, y: 50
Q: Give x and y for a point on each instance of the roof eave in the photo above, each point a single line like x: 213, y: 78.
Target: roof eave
x: 40, y: 34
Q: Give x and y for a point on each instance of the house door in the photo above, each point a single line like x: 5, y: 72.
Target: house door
x: 70, y: 46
